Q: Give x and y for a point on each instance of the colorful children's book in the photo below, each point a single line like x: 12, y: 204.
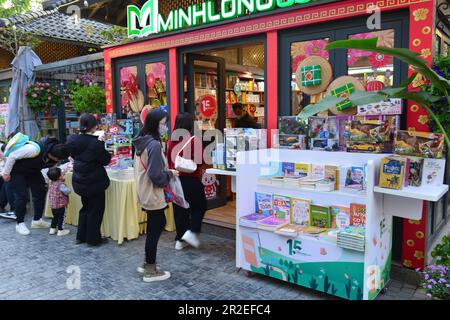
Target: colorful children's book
x: 300, y: 211
x: 433, y: 172
x: 392, y: 172
x: 357, y: 215
x: 320, y: 216
x: 354, y: 178
x: 288, y: 168
x: 340, y: 217
x: 289, y: 230
x: 251, y: 220
x: 332, y: 175
x: 282, y: 207
x: 318, y: 170
x: 263, y: 203
x: 271, y: 223
x: 312, y: 231
x: 302, y: 169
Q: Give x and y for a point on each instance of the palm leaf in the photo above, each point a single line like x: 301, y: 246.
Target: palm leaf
x: 324, y: 104
x: 362, y: 97
x: 405, y: 55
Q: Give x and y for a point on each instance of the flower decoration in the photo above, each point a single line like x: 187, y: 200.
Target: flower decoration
x: 42, y: 96
x: 423, y: 119
x: 353, y: 54
x: 418, y: 81
x: 378, y: 60
x: 129, y: 85
x: 385, y: 38
x: 418, y: 254
x: 425, y: 52
x: 317, y: 48
x: 420, y: 14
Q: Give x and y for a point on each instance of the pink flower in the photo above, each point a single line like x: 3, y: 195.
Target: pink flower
x: 48, y: 90
x: 49, y: 98
x: 47, y: 84
x: 378, y: 60
x: 36, y: 89
x: 317, y: 48
x: 34, y: 95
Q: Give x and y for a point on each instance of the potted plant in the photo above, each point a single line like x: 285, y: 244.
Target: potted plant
x: 41, y: 96
x: 89, y: 99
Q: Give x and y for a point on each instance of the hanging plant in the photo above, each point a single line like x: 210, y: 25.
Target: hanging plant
x: 89, y: 99
x: 41, y: 96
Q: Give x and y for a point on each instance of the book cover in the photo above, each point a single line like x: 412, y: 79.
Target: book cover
x: 415, y: 169
x: 311, y: 230
x: 433, y: 172
x: 340, y: 217
x: 282, y: 207
x: 318, y: 170
x: 263, y: 203
x: 271, y: 223
x: 357, y: 215
x: 288, y: 168
x: 302, y: 169
x: 355, y: 178
x: 320, y: 216
x: 331, y: 174
x: 251, y: 219
x: 290, y: 230
x: 300, y: 211
x: 392, y: 172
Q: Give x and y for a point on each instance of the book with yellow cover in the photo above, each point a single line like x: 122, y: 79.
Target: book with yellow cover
x: 392, y: 172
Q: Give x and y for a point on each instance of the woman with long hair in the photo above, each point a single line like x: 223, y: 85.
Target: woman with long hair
x: 188, y: 221
x: 152, y: 175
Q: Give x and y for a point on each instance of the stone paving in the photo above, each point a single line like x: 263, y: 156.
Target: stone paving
x: 35, y: 267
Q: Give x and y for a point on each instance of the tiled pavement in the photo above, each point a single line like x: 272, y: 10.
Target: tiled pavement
x: 34, y: 267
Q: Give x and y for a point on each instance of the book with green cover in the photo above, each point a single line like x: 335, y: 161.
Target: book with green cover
x: 320, y: 216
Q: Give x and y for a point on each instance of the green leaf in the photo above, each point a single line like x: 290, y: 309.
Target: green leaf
x: 359, y: 98
x: 324, y: 104
x: 405, y: 55
x: 408, y: 81
x: 393, y: 92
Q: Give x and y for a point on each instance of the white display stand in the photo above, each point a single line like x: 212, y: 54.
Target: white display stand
x: 318, y: 264
x: 225, y: 173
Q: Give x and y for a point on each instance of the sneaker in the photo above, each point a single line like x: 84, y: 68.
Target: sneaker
x: 64, y: 232
x: 8, y: 215
x: 180, y: 245
x: 52, y: 231
x: 151, y: 273
x: 191, y: 238
x: 22, y: 229
x: 39, y: 224
x: 141, y: 268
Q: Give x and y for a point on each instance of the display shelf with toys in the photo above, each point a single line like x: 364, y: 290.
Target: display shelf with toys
x: 336, y: 242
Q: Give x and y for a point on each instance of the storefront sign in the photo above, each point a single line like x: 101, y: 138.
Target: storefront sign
x: 208, y: 106
x: 148, y: 20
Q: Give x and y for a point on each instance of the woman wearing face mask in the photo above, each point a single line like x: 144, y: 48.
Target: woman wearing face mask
x: 89, y: 179
x: 152, y: 175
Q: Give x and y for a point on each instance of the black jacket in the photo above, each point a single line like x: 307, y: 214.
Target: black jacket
x: 36, y: 164
x: 246, y: 122
x: 90, y: 157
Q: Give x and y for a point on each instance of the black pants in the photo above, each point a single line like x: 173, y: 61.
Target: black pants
x: 58, y: 218
x: 190, y: 219
x: 20, y: 184
x: 156, y: 220
x: 6, y: 195
x: 90, y: 218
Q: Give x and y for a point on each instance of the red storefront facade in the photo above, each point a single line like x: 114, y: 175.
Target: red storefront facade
x: 418, y: 18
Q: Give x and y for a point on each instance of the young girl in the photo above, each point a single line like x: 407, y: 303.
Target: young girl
x: 152, y: 175
x: 58, y: 200
x: 188, y: 221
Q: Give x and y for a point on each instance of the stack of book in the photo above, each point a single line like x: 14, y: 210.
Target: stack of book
x: 290, y: 230
x: 312, y: 231
x: 251, y: 220
x: 271, y: 223
x: 351, y: 238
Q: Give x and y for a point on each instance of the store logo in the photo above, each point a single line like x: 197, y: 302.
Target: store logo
x: 147, y: 20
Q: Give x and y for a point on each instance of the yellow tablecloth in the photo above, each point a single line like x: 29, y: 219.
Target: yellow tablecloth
x: 123, y: 218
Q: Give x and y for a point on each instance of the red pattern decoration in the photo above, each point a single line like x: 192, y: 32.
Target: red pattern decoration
x: 412, y: 256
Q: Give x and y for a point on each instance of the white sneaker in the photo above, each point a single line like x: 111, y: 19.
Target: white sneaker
x: 39, y: 224
x: 64, y: 232
x: 22, y: 229
x: 9, y: 215
x: 180, y: 245
x: 191, y: 238
x: 52, y: 231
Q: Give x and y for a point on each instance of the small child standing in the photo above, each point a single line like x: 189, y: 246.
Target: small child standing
x: 58, y: 200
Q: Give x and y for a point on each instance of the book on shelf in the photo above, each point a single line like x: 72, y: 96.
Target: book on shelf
x: 340, y: 217
x: 320, y: 216
x: 392, y: 172
x: 352, y: 238
x: 300, y: 211
x: 290, y: 230
x: 251, y: 220
x: 357, y: 215
x: 282, y: 207
x: 271, y: 223
x: 433, y: 172
x: 264, y: 203
x: 312, y: 231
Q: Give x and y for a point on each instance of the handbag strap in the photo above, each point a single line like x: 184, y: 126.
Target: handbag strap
x: 185, y: 145
x: 142, y: 163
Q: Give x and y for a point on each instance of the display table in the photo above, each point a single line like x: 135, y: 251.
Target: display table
x: 225, y: 173
x: 123, y: 218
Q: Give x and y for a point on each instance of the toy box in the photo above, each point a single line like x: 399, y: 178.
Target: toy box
x: 420, y: 144
x: 292, y: 133
x: 390, y: 107
x: 343, y: 124
x: 323, y: 133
